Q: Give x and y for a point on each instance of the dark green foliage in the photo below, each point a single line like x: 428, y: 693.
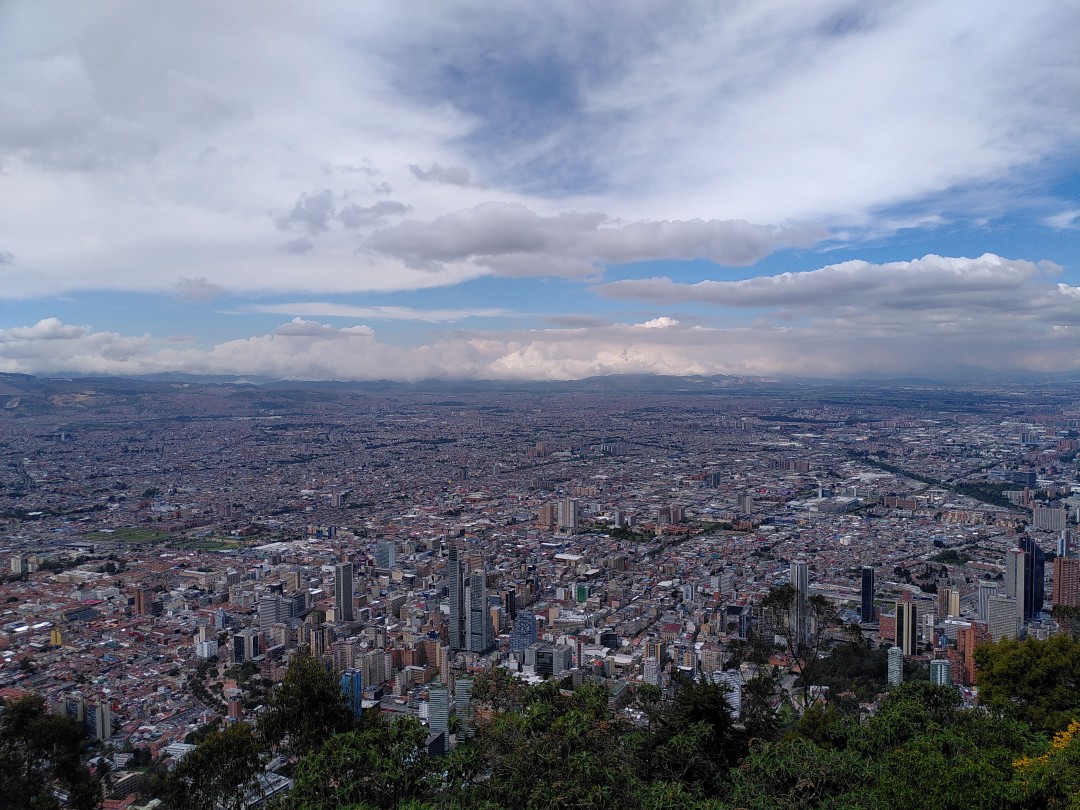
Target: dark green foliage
x: 381, y: 766
x: 1035, y: 681
x: 216, y: 775
x: 853, y: 666
x: 921, y: 750
x: 693, y: 739
x: 306, y: 709
x: 38, y: 750
x: 559, y: 751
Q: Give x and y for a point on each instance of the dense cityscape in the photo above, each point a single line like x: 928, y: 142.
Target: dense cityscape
x: 173, y: 546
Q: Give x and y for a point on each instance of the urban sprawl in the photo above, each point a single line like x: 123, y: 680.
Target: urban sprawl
x: 169, y: 548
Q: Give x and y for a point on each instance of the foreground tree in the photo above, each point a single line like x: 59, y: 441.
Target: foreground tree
x: 305, y: 710
x: 693, y: 739
x: 805, y: 624
x: 559, y: 751
x: 1036, y: 681
x: 218, y: 773
x: 383, y: 765
x: 39, y: 751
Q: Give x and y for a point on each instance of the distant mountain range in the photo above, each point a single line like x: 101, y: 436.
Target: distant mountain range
x: 219, y: 396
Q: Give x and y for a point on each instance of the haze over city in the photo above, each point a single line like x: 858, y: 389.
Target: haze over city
x: 556, y: 191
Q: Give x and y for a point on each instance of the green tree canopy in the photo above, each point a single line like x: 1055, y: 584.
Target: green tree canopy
x: 305, y: 709
x: 1036, y: 681
x: 218, y: 773
x: 39, y: 750
x: 382, y: 765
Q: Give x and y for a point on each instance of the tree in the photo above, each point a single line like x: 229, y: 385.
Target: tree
x: 557, y: 751
x: 1036, y: 681
x: 693, y: 739
x: 380, y: 766
x: 218, y: 773
x: 40, y: 750
x: 804, y: 624
x: 305, y: 709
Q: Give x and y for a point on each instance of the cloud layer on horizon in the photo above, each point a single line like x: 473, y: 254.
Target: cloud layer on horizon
x: 988, y: 313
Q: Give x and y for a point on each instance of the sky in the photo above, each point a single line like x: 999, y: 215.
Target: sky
x: 511, y: 190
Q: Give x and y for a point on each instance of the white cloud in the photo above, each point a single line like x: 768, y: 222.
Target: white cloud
x: 141, y: 144
x: 663, y: 322
x: 894, y: 293
x: 324, y: 309
x: 1065, y: 220
x: 515, y: 241
x: 1040, y: 331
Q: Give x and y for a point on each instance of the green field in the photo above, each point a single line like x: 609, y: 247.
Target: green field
x: 131, y: 534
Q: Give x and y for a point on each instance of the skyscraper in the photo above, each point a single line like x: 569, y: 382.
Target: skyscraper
x: 463, y: 705
x: 907, y: 625
x: 343, y: 593
x: 941, y: 672
x: 456, y: 588
x: 385, y: 555
x: 896, y: 666
x: 867, y: 601
x: 986, y: 590
x: 1067, y: 581
x: 481, y: 633
x: 524, y: 633
x: 439, y: 714
x: 1034, y: 577
x: 470, y: 628
x: 800, y: 580
x: 352, y: 687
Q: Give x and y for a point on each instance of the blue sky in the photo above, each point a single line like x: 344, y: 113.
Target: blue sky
x: 512, y: 190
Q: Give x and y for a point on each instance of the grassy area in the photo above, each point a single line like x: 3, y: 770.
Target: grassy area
x: 131, y: 534
x: 215, y: 544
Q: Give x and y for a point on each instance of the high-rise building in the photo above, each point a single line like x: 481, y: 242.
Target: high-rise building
x: 1015, y: 577
x: 568, y: 515
x: 272, y: 610
x: 651, y: 671
x: 907, y: 625
x: 1049, y: 518
x: 439, y: 714
x: 246, y: 645
x: 986, y: 590
x: 470, y: 628
x: 941, y: 672
x: 1034, y: 577
x: 385, y: 555
x: 1067, y: 581
x: 463, y: 706
x: 352, y: 687
x: 948, y: 602
x: 896, y: 666
x: 967, y: 638
x: 867, y: 594
x: 1065, y: 543
x: 103, y: 721
x: 524, y: 631
x: 343, y: 593
x: 1003, y: 617
x: 455, y: 585
x: 800, y: 580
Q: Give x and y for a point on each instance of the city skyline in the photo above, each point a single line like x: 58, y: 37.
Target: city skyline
x: 518, y: 192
